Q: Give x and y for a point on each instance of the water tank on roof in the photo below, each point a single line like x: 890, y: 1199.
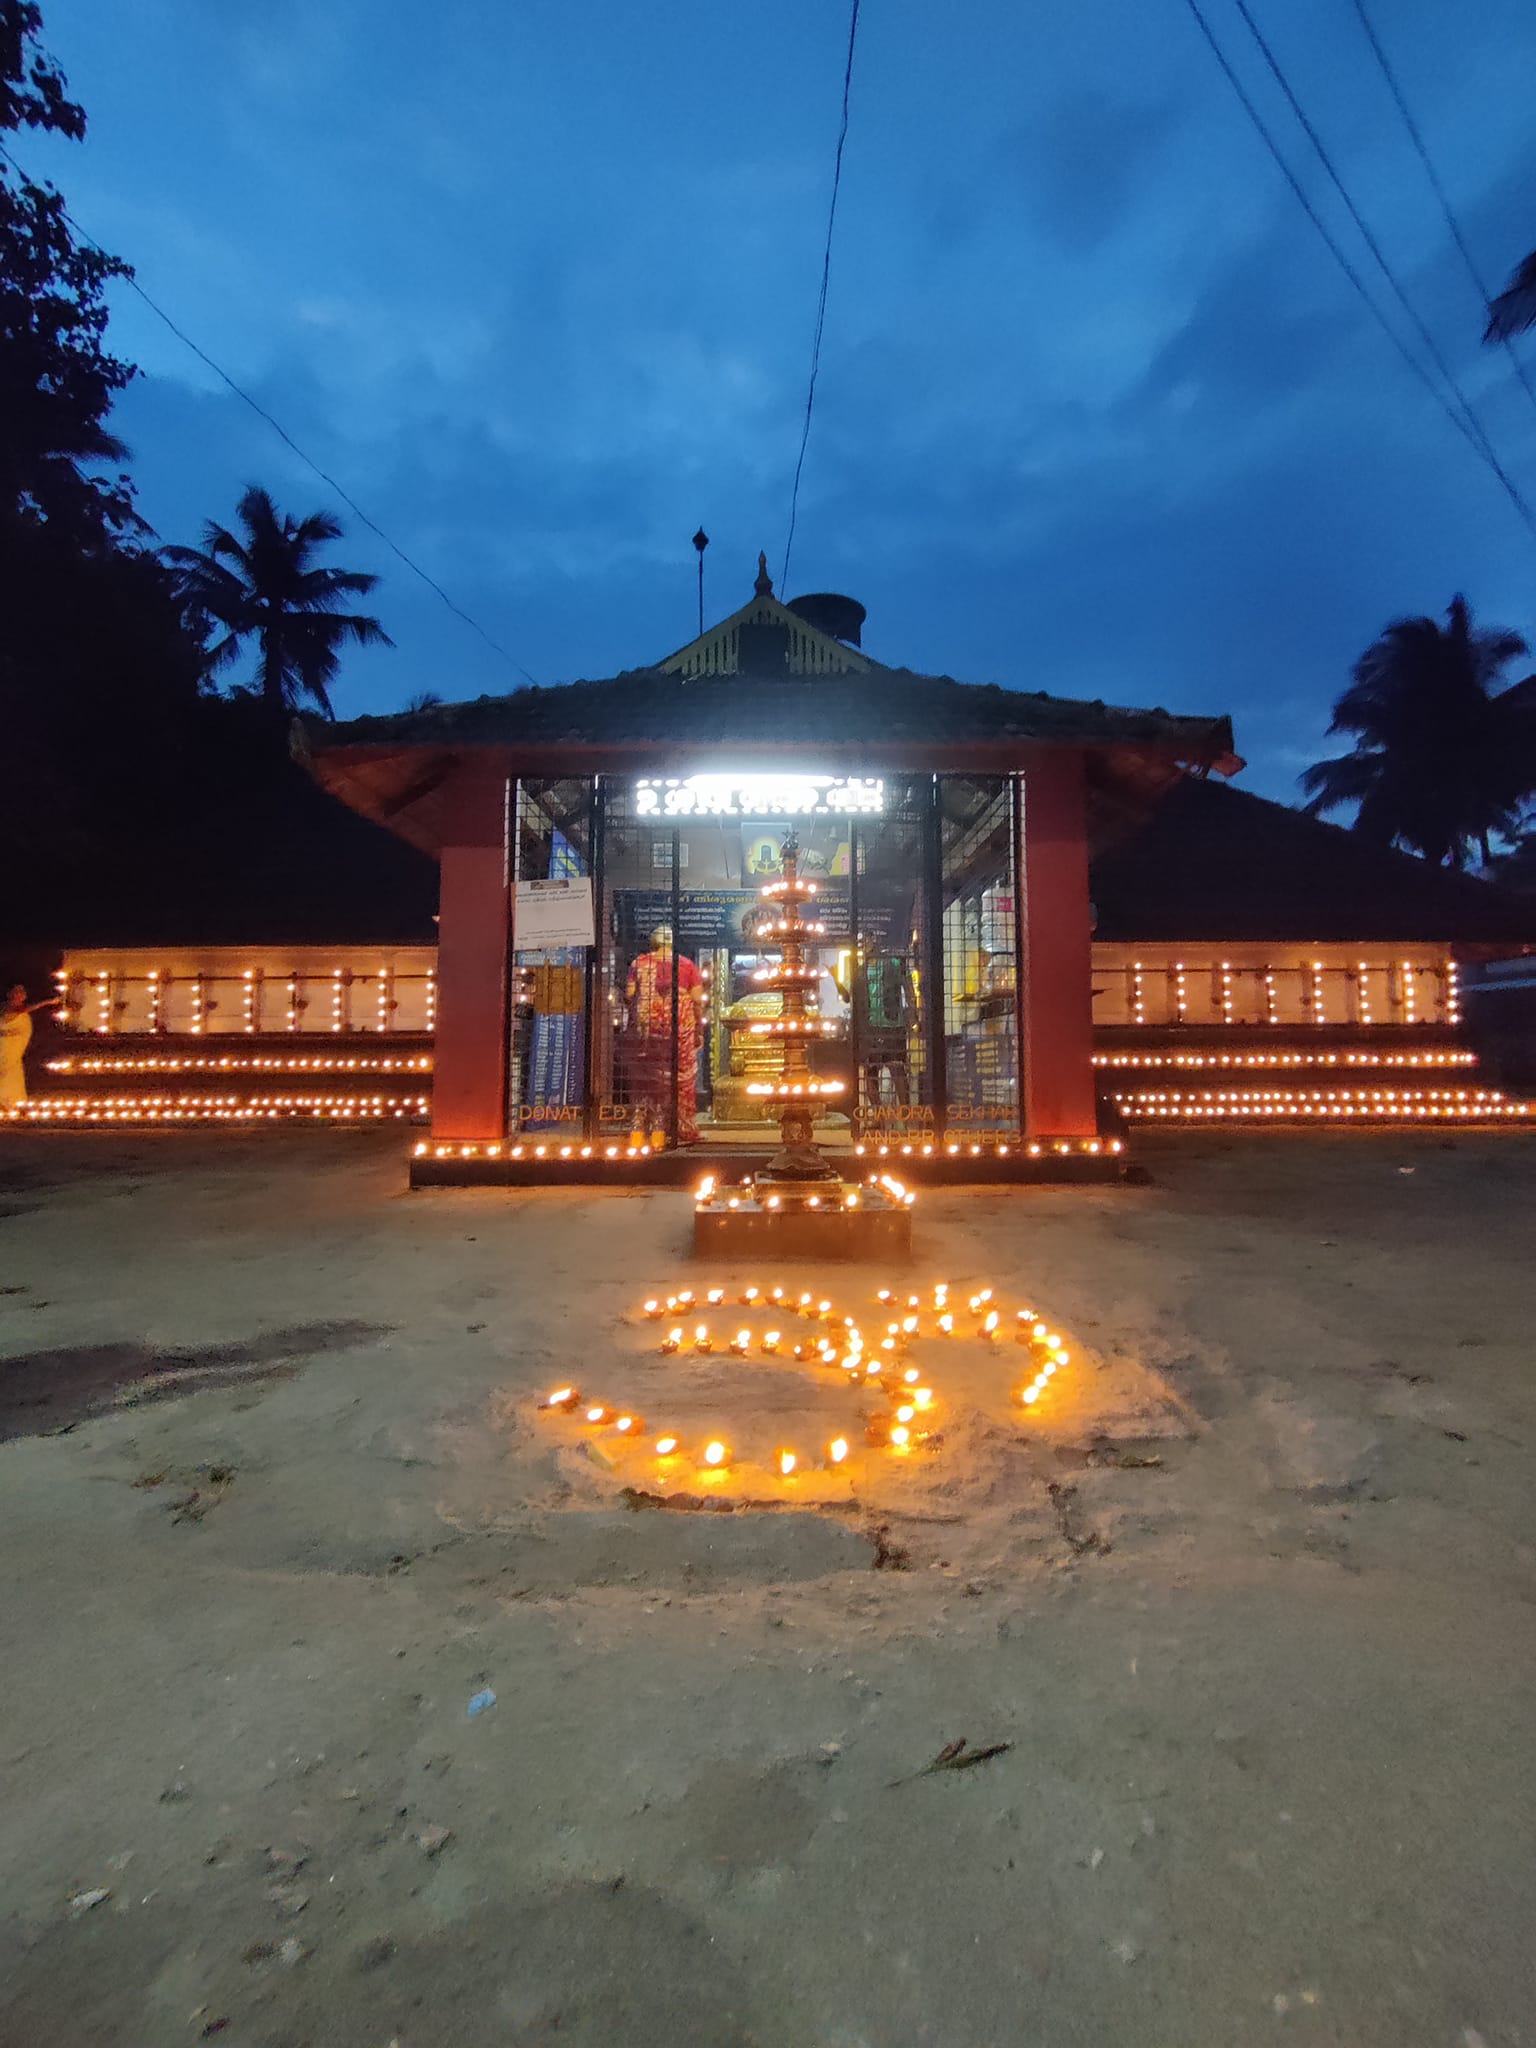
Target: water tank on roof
x: 830, y: 612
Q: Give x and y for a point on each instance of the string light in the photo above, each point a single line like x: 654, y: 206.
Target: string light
x: 1363, y: 991
x: 539, y: 1155
x: 248, y: 1000
x: 78, y: 1110
x: 1450, y: 1057
x: 197, y: 1005
x: 1410, y: 994
x: 240, y: 1063
x: 1290, y: 1105
x: 994, y: 1149
x: 1313, y: 989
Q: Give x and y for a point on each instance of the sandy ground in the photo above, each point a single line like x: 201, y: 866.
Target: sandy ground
x: 1250, y: 1596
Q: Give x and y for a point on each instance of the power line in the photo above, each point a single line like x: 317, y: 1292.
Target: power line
x: 1417, y: 139
x: 283, y: 434
x: 821, y: 303
x: 1338, y: 254
x: 1379, y: 255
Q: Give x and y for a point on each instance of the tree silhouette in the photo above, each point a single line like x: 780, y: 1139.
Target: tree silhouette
x: 268, y: 588
x: 1442, y: 760
x: 57, y: 381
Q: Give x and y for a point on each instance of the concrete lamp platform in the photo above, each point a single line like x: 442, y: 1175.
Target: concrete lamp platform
x: 822, y: 1219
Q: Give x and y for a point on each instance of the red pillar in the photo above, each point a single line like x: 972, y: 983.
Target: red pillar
x: 1056, y: 973
x: 474, y: 946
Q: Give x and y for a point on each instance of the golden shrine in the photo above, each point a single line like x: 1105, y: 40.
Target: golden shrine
x: 751, y: 1055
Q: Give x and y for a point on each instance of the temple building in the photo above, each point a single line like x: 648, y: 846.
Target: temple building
x: 1043, y: 922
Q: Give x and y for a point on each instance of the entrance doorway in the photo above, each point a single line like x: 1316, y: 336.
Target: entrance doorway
x: 651, y: 1031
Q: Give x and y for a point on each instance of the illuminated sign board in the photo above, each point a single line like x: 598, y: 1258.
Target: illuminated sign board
x: 760, y: 796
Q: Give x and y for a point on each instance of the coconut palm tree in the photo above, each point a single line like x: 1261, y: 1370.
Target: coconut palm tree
x: 1515, y: 308
x: 267, y: 587
x: 1441, y: 760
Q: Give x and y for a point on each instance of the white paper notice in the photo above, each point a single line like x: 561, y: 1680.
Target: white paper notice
x: 553, y: 913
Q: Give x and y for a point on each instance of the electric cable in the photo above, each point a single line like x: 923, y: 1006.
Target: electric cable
x: 1368, y: 235
x: 1415, y: 135
x: 281, y: 431
x: 821, y: 303
x: 1339, y: 255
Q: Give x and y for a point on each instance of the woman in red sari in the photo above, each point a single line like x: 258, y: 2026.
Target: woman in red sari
x: 652, y: 1075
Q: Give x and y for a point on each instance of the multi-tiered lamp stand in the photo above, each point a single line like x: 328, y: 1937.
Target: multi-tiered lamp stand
x: 784, y: 925
x: 798, y: 1203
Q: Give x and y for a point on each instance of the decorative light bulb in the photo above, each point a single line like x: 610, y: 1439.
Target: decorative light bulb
x: 837, y: 1450
x: 715, y: 1453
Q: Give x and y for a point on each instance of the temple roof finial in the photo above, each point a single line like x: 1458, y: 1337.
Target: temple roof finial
x: 764, y: 584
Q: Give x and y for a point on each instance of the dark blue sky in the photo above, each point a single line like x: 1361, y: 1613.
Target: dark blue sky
x: 1097, y: 413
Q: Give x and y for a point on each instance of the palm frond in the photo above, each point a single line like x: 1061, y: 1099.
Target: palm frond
x: 321, y: 587
x: 1514, y: 310
x: 1347, y: 779
x: 317, y: 528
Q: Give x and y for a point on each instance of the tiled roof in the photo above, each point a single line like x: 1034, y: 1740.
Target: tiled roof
x: 894, y: 704
x: 1216, y: 863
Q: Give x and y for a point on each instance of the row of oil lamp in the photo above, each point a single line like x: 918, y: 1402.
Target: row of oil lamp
x: 952, y: 1148
x: 80, y: 1109
x: 1412, y: 1097
x: 1276, y: 1105
x: 911, y: 1403
x: 784, y: 1091
x: 209, y: 1063
x: 1284, y: 1058
x: 888, y: 1192
x: 786, y: 892
x: 426, y: 1149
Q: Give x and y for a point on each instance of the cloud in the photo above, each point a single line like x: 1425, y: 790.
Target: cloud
x: 1096, y: 413
x: 1081, y: 168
